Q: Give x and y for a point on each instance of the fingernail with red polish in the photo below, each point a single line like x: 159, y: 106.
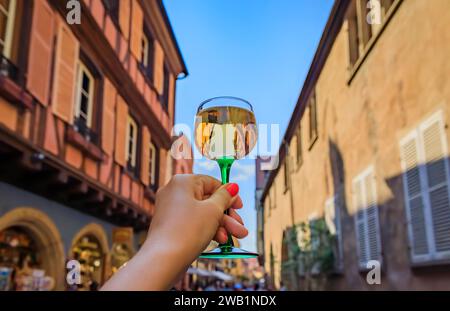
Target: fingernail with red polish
x: 233, y: 189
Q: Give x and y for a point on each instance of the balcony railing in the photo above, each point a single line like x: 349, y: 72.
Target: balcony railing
x: 8, y: 69
x: 81, y: 127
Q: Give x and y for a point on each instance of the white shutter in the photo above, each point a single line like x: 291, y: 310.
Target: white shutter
x: 366, y: 218
x: 414, y: 200
x: 372, y: 221
x: 360, y: 226
x: 436, y: 171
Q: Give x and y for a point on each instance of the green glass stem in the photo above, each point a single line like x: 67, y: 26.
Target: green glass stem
x: 225, y: 166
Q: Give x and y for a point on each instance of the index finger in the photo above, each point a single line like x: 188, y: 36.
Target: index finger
x: 208, y: 184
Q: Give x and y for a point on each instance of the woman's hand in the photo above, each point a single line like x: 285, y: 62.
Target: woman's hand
x: 189, y: 213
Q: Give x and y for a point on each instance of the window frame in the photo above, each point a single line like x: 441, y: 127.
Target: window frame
x: 386, y: 16
x: 299, y: 149
x: 132, y: 159
x: 313, y: 126
x: 83, y: 69
x: 286, y: 169
x: 272, y: 197
x: 9, y: 30
x: 369, y: 172
x: 416, y: 135
x: 146, y: 66
x: 152, y: 164
x: 145, y: 47
x: 164, y: 98
x: 113, y: 11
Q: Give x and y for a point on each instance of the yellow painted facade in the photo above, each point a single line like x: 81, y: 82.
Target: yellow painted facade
x: 363, y: 113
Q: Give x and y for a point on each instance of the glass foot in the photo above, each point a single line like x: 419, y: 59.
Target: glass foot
x: 228, y: 253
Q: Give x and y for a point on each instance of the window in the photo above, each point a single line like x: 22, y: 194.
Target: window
x: 385, y: 7
x: 146, y: 61
x: 426, y: 187
x: 333, y: 222
x: 112, y: 7
x: 360, y: 31
x: 352, y: 28
x: 7, y: 18
x: 299, y: 147
x: 144, y: 51
x: 152, y: 165
x: 313, y: 132
x: 286, y: 170
x: 272, y: 197
x: 84, y: 97
x: 132, y: 138
x: 165, y: 94
x: 366, y: 218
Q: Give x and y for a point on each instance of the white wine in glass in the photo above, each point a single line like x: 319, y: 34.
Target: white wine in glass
x: 225, y: 131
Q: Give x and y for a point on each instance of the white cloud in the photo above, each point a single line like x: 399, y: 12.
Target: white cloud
x: 238, y: 177
x: 242, y: 172
x: 207, y: 165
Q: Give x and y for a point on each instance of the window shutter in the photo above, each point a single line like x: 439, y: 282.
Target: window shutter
x: 145, y: 178
x: 137, y: 28
x: 109, y: 106
x: 366, y: 218
x: 414, y: 201
x: 360, y: 226
x: 40, y: 51
x: 65, y: 73
x: 434, y: 147
x: 124, y: 17
x: 372, y: 222
x: 121, y: 131
x: 158, y: 68
x: 171, y: 97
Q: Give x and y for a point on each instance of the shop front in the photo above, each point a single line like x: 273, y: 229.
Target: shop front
x: 29, y: 250
x: 90, y: 248
x: 88, y: 251
x: 122, y: 249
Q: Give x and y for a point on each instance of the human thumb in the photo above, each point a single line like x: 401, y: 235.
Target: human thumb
x: 223, y: 196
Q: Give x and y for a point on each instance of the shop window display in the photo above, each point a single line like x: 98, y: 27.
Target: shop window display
x: 89, y: 253
x: 21, y: 262
x: 122, y: 249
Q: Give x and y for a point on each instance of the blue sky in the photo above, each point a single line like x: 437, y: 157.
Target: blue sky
x: 259, y: 50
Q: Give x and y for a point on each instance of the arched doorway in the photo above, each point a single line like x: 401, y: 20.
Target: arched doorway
x: 90, y: 249
x: 31, y: 247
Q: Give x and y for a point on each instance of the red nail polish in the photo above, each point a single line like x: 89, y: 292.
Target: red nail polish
x: 233, y: 189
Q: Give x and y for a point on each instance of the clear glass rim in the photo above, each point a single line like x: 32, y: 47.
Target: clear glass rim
x: 233, y: 98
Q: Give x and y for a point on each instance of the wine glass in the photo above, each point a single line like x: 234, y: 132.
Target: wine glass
x: 225, y: 131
